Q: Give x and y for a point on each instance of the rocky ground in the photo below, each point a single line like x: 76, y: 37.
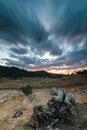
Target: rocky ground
x: 12, y: 101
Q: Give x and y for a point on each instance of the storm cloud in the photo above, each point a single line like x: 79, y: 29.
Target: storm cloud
x: 43, y: 34
x: 19, y: 21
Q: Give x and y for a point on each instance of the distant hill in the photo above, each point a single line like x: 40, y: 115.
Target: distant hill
x: 13, y: 72
x: 84, y: 72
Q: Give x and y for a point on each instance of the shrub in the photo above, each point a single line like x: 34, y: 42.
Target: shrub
x: 27, y: 90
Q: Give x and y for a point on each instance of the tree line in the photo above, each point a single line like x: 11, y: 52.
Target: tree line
x: 14, y: 72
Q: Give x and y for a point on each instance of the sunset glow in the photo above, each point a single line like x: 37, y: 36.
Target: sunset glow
x: 73, y: 71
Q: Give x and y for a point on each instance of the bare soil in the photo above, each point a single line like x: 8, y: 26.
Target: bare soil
x: 11, y: 99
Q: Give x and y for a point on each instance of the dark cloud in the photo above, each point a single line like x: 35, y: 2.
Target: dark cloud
x: 19, y: 50
x: 11, y: 62
x: 79, y: 53
x: 72, y: 60
x: 24, y: 61
x: 19, y: 21
x: 30, y: 30
x: 49, y: 46
x: 73, y: 20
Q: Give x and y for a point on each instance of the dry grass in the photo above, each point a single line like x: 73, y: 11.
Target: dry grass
x: 66, y: 81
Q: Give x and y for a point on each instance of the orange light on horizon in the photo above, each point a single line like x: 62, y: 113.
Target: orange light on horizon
x: 58, y: 71
x: 70, y: 71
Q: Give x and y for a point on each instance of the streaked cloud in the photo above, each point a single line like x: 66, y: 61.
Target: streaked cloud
x: 43, y: 34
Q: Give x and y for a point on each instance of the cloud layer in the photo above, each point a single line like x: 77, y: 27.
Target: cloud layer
x: 48, y: 34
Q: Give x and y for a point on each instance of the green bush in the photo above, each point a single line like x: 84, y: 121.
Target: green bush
x: 27, y: 90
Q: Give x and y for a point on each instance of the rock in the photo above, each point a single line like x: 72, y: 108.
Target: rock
x: 17, y: 114
x: 50, y: 128
x: 54, y: 91
x: 82, y: 122
x: 51, y: 102
x: 57, y: 129
x: 51, y: 116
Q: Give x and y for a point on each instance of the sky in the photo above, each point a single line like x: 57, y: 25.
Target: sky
x: 48, y: 35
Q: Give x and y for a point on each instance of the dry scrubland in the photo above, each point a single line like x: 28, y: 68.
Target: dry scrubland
x: 73, y: 81
x: 13, y: 100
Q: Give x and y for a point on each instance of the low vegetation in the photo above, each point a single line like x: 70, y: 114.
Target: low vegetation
x: 15, y: 73
x: 27, y: 90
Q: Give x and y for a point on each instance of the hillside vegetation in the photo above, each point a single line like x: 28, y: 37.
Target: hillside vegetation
x: 13, y: 72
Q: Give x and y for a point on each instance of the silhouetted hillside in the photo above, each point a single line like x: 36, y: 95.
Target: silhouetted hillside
x: 13, y: 72
x: 84, y: 72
